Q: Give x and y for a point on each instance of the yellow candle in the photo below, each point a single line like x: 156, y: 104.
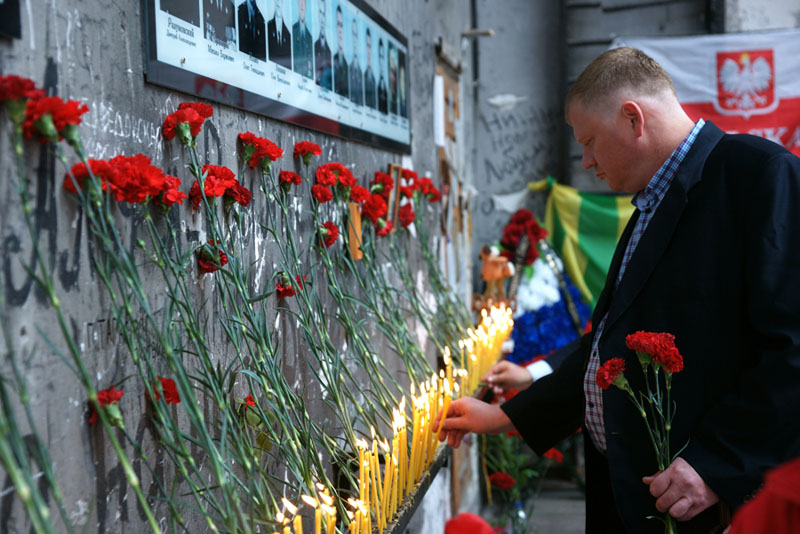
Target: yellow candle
x: 287, y: 530
x: 388, y: 473
x: 318, y: 521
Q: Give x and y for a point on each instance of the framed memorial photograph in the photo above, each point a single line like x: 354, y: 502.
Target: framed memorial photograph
x: 336, y: 66
x: 9, y: 19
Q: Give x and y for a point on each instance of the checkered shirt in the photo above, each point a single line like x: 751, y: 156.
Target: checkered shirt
x: 646, y: 201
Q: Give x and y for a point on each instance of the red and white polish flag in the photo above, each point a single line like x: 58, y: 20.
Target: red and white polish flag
x: 743, y: 82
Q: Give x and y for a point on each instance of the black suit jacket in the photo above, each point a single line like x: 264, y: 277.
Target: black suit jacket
x: 302, y: 50
x: 370, y: 96
x: 383, y: 99
x: 341, y: 75
x: 719, y: 267
x: 280, y: 50
x: 218, y: 20
x: 252, y: 40
x: 356, y: 84
x: 323, y: 68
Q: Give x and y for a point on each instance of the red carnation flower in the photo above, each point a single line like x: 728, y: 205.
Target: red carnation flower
x: 217, y: 182
x: 105, y: 397
x: 174, y: 124
x: 409, y: 175
x: 170, y: 390
x: 359, y: 194
x: 406, y: 215
x: 374, y: 208
x: 306, y: 149
x: 250, y: 400
x: 384, y: 227
x: 290, y: 178
x: 51, y: 119
x: 208, y: 261
x: 262, y: 149
x: 382, y: 184
x: 321, y: 193
x: 608, y: 373
x: 326, y: 176
x: 556, y: 455
x: 13, y: 87
x: 406, y: 191
x: 502, y: 481
x: 285, y: 287
x: 239, y: 193
x: 101, y: 169
x: 521, y: 216
x: 138, y: 179
x: 171, y: 194
x: 660, y: 346
x: 329, y: 233
x: 204, y: 110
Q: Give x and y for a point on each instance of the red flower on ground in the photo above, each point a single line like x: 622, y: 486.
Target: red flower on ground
x: 609, y: 371
x: 330, y: 233
x: 170, y: 390
x: 321, y: 193
x: 374, y: 208
x: 406, y: 215
x: 556, y: 455
x: 206, y: 262
x: 51, y: 119
x: 105, y: 397
x: 306, y: 149
x: 262, y: 149
x: 502, y: 481
x: 359, y: 194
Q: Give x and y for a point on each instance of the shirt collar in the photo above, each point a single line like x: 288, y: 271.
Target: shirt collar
x: 651, y: 196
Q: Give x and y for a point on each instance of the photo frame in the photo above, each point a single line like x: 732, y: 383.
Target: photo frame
x: 395, y: 171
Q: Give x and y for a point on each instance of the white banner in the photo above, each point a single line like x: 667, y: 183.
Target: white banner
x: 743, y: 82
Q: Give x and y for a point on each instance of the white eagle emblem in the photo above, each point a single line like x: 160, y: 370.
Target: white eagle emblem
x: 744, y: 86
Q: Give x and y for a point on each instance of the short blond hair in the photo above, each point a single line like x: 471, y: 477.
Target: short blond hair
x: 617, y: 69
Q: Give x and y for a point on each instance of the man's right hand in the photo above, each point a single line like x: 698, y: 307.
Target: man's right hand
x: 468, y: 414
x: 506, y: 375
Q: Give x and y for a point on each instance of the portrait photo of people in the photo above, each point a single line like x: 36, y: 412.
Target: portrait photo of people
x: 356, y: 72
x: 370, y: 95
x: 252, y: 34
x: 401, y: 84
x: 302, y: 50
x: 323, y: 68
x: 220, y: 26
x: 383, y: 97
x: 392, y: 79
x: 186, y: 10
x: 341, y: 75
x: 279, y: 40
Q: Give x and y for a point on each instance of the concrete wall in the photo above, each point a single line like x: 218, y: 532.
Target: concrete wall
x: 93, y: 52
x: 751, y: 15
x: 519, y: 125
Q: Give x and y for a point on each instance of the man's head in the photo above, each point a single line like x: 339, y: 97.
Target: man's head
x: 321, y: 4
x: 354, y: 42
x: 369, y: 48
x: 624, y: 112
x: 301, y: 4
x: 339, y: 27
x: 381, y: 55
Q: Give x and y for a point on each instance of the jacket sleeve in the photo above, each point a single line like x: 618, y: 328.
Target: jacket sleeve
x: 756, y: 425
x: 552, y: 408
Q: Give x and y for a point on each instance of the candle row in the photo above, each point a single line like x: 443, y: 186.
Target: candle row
x: 380, y: 493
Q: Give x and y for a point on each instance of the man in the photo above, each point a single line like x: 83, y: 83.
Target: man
x: 301, y: 44
x: 278, y: 38
x: 401, y: 94
x: 341, y: 78
x: 183, y: 10
x: 711, y: 256
x: 219, y: 21
x: 383, y: 100
x: 392, y: 79
x: 356, y: 76
x: 252, y: 40
x: 370, y: 97
x: 323, y: 71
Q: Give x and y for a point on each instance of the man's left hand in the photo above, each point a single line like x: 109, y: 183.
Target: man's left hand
x: 680, y: 490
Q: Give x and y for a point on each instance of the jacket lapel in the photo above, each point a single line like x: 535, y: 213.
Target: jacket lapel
x: 660, y: 228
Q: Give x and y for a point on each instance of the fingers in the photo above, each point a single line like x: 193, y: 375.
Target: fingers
x: 680, y: 491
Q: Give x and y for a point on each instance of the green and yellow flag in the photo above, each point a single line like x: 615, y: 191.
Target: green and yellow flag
x: 584, y: 229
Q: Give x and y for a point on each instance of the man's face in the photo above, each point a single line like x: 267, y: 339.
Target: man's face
x: 369, y: 49
x: 609, y: 147
x: 322, y: 17
x: 278, y: 9
x: 339, y: 29
x: 381, y: 55
x: 355, y: 38
x: 302, y: 5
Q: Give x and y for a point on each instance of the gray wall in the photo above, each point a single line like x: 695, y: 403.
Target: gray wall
x: 93, y: 51
x: 519, y: 125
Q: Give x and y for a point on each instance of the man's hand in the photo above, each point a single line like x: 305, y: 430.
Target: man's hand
x: 506, y: 375
x: 680, y: 490
x: 468, y: 414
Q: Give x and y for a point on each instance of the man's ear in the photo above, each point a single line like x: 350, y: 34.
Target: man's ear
x: 634, y: 116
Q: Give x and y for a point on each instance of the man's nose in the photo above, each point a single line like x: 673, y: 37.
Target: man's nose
x: 587, y: 161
